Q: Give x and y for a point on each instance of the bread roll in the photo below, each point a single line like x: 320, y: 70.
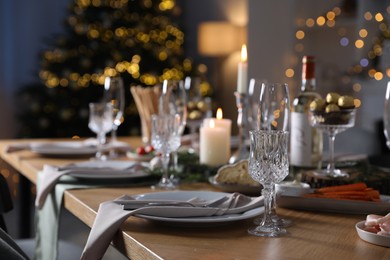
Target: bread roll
x: 235, y: 174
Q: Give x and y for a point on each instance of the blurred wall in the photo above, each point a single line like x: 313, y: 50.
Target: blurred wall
x: 25, y: 28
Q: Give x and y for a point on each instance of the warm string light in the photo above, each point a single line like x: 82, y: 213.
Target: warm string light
x: 330, y: 19
x: 164, y: 40
x: 165, y: 5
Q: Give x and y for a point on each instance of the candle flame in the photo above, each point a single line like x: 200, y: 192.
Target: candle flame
x: 219, y: 114
x: 212, y: 124
x: 244, y: 54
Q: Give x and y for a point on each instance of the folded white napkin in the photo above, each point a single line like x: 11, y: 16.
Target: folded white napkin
x: 111, y: 215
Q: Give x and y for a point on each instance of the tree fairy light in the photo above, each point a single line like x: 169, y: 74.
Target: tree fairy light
x: 138, y: 40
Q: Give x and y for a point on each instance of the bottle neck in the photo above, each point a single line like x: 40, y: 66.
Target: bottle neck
x: 308, y: 74
x: 308, y: 84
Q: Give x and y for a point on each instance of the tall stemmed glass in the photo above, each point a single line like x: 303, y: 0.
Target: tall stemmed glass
x: 386, y: 116
x: 114, y: 94
x: 198, y: 108
x: 173, y: 100
x: 254, y: 96
x: 268, y: 164
x: 272, y: 114
x: 100, y: 122
x: 165, y: 139
x: 332, y: 123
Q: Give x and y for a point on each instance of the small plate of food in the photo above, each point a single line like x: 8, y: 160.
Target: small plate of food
x: 375, y: 229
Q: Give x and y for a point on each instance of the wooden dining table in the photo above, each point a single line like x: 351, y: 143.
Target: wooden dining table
x: 313, y: 235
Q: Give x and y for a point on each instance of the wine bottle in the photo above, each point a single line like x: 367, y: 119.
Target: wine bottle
x: 305, y: 140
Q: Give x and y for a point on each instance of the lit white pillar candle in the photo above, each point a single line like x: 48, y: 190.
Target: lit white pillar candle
x: 214, y: 144
x: 242, y: 75
x: 219, y: 121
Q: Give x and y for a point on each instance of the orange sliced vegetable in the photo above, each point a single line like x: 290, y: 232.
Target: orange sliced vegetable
x: 346, y: 187
x: 355, y: 191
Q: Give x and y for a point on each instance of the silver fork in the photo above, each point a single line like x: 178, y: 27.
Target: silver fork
x: 75, y: 167
x: 135, y: 204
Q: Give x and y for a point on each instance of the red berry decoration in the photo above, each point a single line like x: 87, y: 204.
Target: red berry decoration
x: 149, y: 149
x: 140, y: 150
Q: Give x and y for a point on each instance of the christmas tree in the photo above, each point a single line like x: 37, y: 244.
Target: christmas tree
x: 139, y: 40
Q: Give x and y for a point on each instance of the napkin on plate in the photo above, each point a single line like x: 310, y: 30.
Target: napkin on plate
x: 90, y: 142
x: 51, y: 174
x: 17, y: 147
x: 111, y: 215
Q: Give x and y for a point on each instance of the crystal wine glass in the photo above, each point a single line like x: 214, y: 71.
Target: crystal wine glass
x: 332, y: 123
x: 165, y: 139
x: 268, y: 164
x: 114, y: 94
x: 272, y: 113
x: 100, y: 122
x: 386, y: 116
x: 198, y: 107
x: 173, y: 100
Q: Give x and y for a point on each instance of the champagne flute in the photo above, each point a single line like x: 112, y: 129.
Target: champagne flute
x: 386, y: 116
x: 114, y: 94
x: 100, y: 122
x: 272, y: 113
x: 165, y: 139
x: 268, y: 164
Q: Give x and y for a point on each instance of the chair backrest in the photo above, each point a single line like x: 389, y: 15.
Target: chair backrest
x: 5, y: 201
x: 8, y: 247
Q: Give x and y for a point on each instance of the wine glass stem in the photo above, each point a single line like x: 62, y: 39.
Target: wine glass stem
x: 113, y: 152
x: 267, y: 192
x: 165, y: 162
x: 273, y: 200
x: 331, y: 164
x: 175, y: 158
x: 101, y: 138
x: 193, y: 135
x: 113, y: 133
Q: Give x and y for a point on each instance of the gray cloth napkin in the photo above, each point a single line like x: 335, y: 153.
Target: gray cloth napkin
x: 90, y: 142
x: 17, y: 147
x: 111, y: 215
x: 49, y: 177
x: 47, y: 217
x: 51, y: 174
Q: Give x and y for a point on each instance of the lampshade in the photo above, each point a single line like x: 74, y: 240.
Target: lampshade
x: 220, y: 38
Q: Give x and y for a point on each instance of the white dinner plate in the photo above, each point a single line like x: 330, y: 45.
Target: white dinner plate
x: 244, y: 189
x: 335, y: 205
x: 109, y: 170
x: 371, y: 237
x: 86, y: 147
x: 198, y: 221
x: 64, y: 148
